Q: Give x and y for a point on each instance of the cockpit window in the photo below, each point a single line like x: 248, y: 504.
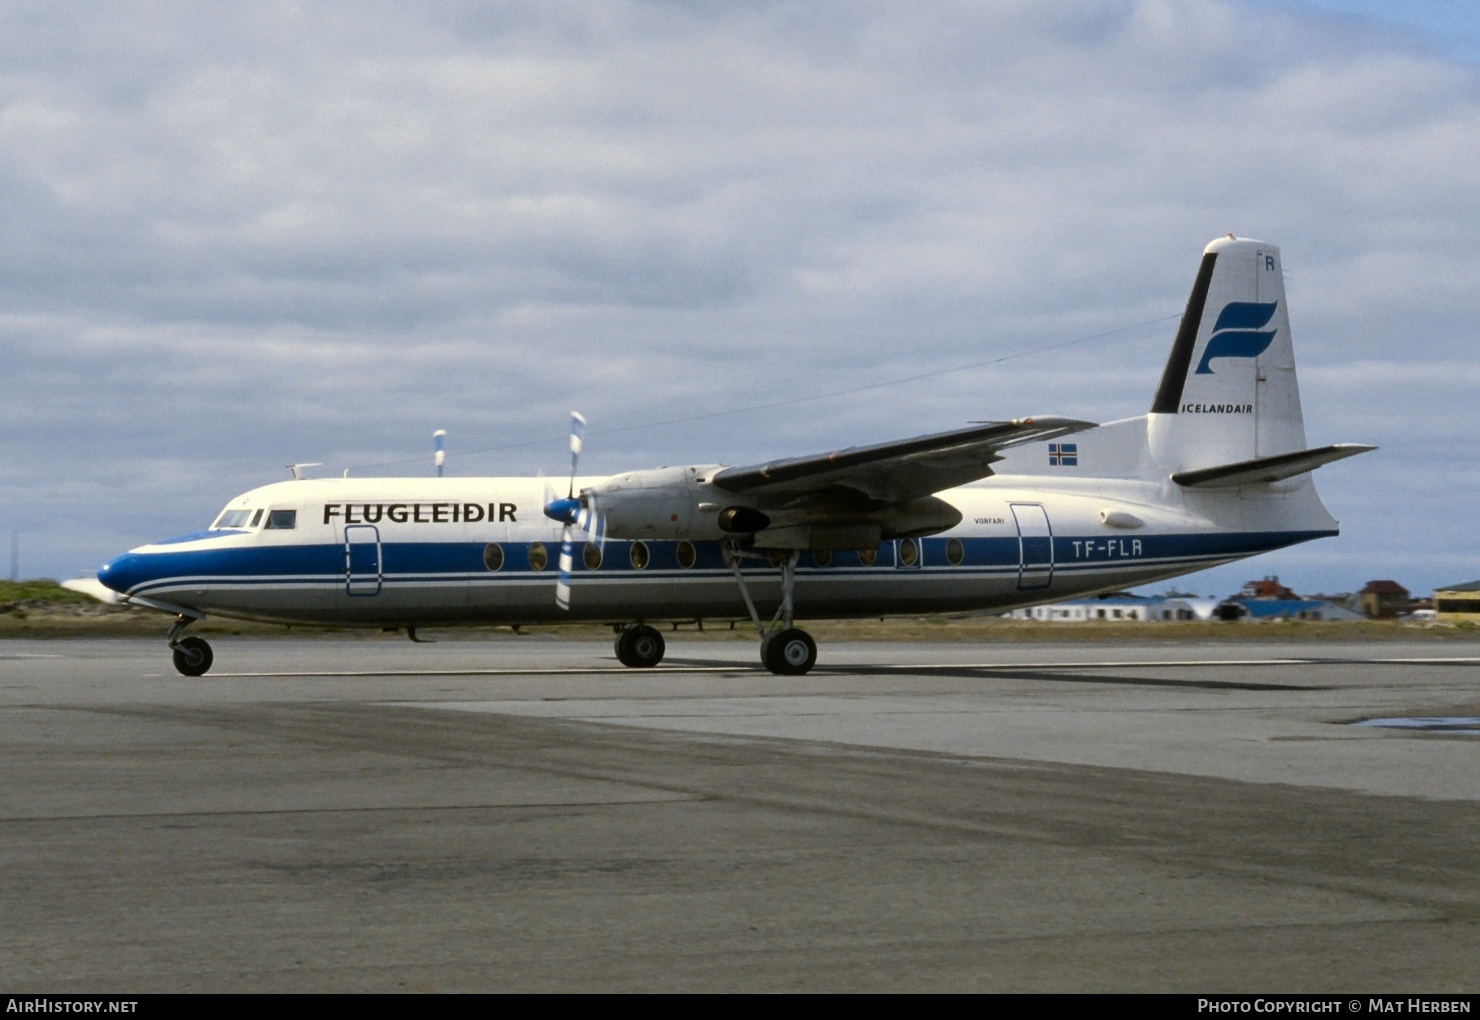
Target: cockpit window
x: 232, y: 519
x: 257, y: 517
x: 282, y: 519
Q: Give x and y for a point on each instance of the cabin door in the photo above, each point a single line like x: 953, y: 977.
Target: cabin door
x: 362, y: 570
x: 1035, y: 546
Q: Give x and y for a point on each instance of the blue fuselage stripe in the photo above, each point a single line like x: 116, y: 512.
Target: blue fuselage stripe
x: 258, y: 581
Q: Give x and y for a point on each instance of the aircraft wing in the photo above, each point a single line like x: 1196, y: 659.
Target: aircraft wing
x: 892, y: 472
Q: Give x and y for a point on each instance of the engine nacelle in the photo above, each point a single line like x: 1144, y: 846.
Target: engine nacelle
x: 663, y: 503
x: 679, y: 503
x: 927, y: 515
x: 743, y: 520
x: 840, y: 527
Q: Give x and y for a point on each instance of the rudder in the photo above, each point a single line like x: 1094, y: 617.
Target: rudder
x: 1229, y: 391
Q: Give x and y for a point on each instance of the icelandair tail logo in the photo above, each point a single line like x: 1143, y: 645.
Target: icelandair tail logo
x: 1238, y: 333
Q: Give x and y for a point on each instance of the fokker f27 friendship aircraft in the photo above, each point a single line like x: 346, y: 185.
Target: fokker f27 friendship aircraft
x: 993, y: 516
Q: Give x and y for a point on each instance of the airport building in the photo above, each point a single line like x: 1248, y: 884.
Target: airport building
x: 1455, y: 603
x: 1112, y: 608
x: 1384, y: 600
x: 1259, y: 610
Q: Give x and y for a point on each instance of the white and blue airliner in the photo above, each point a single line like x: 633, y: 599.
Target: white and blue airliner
x: 993, y: 516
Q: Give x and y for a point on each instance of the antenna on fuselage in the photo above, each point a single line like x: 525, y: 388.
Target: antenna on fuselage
x: 440, y: 456
x: 297, y: 469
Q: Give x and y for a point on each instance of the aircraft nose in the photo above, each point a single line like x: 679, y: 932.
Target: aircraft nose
x: 122, y: 572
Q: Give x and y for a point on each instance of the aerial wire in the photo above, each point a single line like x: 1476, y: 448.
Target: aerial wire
x: 793, y: 401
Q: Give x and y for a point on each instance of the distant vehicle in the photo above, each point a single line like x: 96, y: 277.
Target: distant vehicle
x: 995, y: 515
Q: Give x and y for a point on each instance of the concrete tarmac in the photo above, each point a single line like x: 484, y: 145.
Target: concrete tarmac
x: 522, y: 814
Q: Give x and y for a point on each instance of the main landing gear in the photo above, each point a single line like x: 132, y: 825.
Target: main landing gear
x: 785, y: 650
x: 192, y: 655
x: 788, y: 652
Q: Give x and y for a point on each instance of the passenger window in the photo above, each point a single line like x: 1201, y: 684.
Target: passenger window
x: 493, y: 556
x: 638, y: 555
x: 282, y: 519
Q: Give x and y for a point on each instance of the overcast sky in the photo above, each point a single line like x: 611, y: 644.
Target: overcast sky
x: 234, y: 237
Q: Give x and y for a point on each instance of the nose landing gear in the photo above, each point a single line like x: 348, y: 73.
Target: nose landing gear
x: 192, y: 655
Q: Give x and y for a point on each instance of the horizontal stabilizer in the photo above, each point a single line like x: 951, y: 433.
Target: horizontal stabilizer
x: 97, y: 589
x: 1267, y: 469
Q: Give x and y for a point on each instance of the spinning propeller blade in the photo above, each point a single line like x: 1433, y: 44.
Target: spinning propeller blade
x: 571, y: 512
x: 562, y: 580
x: 577, y: 431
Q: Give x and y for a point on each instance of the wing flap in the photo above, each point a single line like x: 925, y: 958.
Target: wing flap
x: 1267, y: 469
x: 895, y: 471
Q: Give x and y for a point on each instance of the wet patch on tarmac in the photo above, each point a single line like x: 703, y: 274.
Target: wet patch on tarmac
x: 1468, y: 724
x: 1063, y: 674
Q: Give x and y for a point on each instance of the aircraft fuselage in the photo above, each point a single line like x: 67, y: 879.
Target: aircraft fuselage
x: 399, y: 552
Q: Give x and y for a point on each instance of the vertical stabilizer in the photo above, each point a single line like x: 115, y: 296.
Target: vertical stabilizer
x: 1229, y: 392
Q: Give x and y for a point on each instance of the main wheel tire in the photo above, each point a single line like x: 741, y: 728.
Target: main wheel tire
x: 193, y: 656
x: 640, y: 647
x: 789, y: 652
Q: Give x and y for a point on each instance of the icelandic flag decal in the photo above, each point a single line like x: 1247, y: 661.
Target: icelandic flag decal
x: 1063, y: 454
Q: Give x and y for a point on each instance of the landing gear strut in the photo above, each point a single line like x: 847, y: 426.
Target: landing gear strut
x: 640, y: 647
x: 785, y: 650
x: 192, y: 655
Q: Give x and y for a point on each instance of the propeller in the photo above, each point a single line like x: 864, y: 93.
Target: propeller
x: 571, y: 512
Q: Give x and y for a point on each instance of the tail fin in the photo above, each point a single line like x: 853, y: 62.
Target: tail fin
x: 1229, y: 392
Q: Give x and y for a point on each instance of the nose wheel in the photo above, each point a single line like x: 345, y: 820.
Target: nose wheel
x: 193, y: 656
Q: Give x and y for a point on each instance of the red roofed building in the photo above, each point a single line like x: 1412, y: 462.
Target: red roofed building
x: 1383, y: 600
x: 1269, y: 588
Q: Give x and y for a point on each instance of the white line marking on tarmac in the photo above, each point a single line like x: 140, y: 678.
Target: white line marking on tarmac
x: 825, y: 670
